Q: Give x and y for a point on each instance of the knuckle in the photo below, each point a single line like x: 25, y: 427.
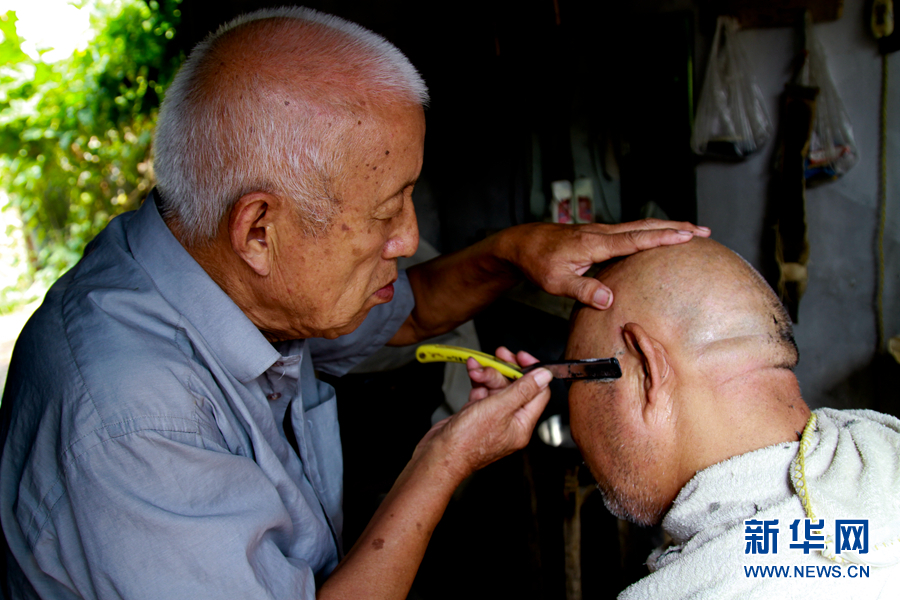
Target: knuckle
x: 632, y: 237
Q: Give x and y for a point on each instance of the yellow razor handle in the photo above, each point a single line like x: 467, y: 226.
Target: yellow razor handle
x: 440, y: 353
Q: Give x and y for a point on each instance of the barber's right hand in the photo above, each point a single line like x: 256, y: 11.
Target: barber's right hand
x: 491, y: 426
x: 486, y: 381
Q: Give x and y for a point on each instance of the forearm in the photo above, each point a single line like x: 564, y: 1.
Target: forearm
x: 452, y: 288
x: 383, y: 562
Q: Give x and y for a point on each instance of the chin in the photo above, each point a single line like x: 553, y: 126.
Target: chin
x: 348, y: 327
x: 641, y: 509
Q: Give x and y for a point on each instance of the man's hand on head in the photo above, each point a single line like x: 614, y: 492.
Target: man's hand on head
x: 555, y: 257
x: 453, y: 287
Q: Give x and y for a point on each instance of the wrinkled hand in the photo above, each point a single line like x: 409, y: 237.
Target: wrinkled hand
x: 556, y: 256
x: 487, y: 381
x: 494, y: 422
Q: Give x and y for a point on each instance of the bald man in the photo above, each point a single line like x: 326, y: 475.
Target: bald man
x: 706, y: 432
x: 163, y: 431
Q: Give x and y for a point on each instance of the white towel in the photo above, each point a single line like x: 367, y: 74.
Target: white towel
x: 852, y: 451
x: 851, y: 472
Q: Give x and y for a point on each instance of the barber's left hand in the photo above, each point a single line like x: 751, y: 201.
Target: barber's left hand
x: 555, y: 256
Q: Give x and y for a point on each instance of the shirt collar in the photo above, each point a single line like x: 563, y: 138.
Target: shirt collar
x: 238, y: 344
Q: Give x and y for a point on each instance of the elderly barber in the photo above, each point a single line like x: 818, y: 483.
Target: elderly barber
x: 164, y: 434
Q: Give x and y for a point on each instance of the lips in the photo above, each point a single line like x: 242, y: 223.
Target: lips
x: 386, y: 293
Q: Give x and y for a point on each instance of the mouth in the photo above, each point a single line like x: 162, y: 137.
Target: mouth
x: 386, y: 293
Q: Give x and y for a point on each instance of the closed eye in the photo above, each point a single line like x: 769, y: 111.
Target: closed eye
x: 389, y: 209
x: 393, y: 206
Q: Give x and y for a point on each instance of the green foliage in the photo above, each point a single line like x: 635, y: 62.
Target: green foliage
x: 75, y: 135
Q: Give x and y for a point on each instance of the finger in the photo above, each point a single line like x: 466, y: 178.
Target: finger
x: 587, y: 290
x: 521, y: 358
x: 485, y: 376
x: 525, y: 359
x: 473, y: 366
x: 648, y: 224
x: 525, y: 389
x: 531, y: 394
x: 594, y: 293
x: 528, y: 415
x: 629, y: 242
x: 477, y: 394
x: 504, y: 353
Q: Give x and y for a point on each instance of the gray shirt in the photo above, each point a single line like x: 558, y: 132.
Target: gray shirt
x: 156, y: 445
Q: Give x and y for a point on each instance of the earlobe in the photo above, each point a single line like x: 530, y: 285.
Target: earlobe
x: 658, y: 382
x: 249, y: 226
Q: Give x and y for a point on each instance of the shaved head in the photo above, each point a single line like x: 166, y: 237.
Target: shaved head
x: 703, y: 298
x: 707, y: 353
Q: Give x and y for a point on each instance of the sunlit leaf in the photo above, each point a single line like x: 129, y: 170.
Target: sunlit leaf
x: 75, y: 134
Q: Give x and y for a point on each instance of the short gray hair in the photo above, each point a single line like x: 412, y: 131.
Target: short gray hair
x: 227, y: 128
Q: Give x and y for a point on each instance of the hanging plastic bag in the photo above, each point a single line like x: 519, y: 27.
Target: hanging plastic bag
x: 732, y: 120
x: 832, y: 149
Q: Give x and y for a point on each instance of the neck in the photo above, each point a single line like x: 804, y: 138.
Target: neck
x: 747, y: 412
x: 230, y: 273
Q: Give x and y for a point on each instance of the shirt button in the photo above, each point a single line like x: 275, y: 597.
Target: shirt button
x: 274, y: 396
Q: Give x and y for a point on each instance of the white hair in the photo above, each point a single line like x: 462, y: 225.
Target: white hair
x: 265, y: 104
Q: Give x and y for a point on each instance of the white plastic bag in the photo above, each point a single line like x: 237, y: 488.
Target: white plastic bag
x: 731, y: 120
x: 832, y: 149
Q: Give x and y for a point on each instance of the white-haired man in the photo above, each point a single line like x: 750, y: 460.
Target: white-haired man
x: 707, y: 433
x: 164, y: 432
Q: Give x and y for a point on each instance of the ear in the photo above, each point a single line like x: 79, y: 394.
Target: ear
x: 250, y: 230
x: 658, y: 378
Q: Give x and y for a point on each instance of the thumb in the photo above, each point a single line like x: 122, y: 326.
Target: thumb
x: 588, y: 291
x: 531, y: 384
x: 523, y: 393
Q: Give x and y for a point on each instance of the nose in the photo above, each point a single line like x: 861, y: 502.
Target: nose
x: 404, y: 238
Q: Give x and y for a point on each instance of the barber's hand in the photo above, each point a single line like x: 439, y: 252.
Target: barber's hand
x: 489, y: 428
x: 555, y: 256
x: 487, y: 381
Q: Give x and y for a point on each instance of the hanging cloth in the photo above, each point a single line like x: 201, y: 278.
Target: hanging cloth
x: 789, y: 194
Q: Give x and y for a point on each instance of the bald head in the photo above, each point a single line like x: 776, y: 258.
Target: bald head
x: 702, y: 300
x: 273, y: 102
x: 707, y: 355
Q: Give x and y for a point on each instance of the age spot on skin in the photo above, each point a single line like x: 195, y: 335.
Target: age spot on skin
x: 345, y: 227
x: 378, y: 543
